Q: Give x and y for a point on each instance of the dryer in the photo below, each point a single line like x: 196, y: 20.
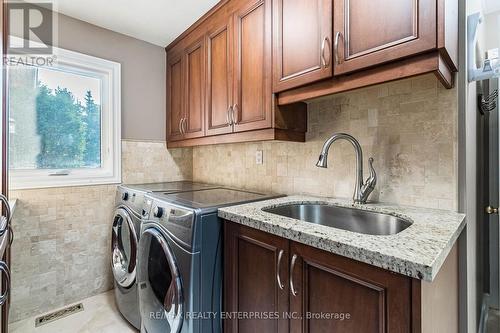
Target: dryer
x: 180, y: 259
x: 125, y: 237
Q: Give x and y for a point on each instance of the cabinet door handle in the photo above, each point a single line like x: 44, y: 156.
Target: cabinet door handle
x: 180, y: 125
x: 336, y: 47
x: 234, y: 114
x: 184, y: 126
x: 280, y: 256
x: 325, y: 62
x: 228, y: 116
x: 292, y: 268
x: 5, y: 275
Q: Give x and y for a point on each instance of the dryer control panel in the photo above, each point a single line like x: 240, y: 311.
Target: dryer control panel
x: 175, y: 220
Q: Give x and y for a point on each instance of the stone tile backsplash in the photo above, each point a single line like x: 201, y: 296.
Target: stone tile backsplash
x: 408, y: 126
x: 149, y: 162
x: 61, y: 250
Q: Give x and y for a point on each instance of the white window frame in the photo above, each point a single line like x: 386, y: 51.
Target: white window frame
x: 109, y: 72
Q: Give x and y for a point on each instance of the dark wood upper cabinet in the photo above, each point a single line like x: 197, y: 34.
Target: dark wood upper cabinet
x: 175, y: 96
x: 369, y: 33
x: 255, y: 279
x: 302, y: 48
x: 243, y: 71
x: 186, y: 92
x: 380, y: 41
x: 193, y: 125
x: 252, y: 66
x: 225, y: 71
x: 219, y: 75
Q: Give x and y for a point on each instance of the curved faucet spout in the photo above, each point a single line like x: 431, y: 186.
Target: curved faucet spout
x: 361, y: 192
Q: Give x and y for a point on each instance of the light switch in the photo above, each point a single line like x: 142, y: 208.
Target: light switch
x: 259, y: 157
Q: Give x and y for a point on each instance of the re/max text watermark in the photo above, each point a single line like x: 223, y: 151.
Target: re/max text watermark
x: 254, y: 315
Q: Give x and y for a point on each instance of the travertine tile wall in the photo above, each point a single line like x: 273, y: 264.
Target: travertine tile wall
x: 408, y: 126
x: 62, y: 235
x: 149, y: 162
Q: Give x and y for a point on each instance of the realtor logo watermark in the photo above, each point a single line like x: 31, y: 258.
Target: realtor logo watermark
x: 32, y: 33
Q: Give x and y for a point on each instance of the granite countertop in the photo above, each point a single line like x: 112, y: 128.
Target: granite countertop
x: 418, y: 251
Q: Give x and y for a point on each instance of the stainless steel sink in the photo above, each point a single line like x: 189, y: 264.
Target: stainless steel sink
x: 351, y: 219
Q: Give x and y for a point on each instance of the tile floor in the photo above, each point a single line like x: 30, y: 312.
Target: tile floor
x: 100, y: 315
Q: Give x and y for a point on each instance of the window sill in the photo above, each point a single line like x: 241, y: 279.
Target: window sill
x: 63, y: 183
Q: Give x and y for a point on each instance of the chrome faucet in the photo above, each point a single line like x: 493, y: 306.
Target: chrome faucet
x: 361, y: 190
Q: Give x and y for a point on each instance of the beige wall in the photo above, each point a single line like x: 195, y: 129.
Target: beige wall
x: 143, y: 74
x: 409, y: 127
x: 62, y: 235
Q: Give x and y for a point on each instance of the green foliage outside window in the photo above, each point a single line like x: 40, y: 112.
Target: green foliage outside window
x: 61, y: 132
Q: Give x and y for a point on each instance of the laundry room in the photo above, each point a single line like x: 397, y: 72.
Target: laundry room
x: 250, y: 166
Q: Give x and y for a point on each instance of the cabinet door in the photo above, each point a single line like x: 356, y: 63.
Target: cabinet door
x: 302, y: 42
x: 194, y: 121
x: 255, y: 279
x: 175, y: 109
x: 323, y: 283
x: 252, y: 48
x: 219, y: 77
x: 368, y: 32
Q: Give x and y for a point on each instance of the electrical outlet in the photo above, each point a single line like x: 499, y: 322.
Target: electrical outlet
x: 259, y: 157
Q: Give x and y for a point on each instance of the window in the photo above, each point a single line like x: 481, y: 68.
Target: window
x: 64, y: 122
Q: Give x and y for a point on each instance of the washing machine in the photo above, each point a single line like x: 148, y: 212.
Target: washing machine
x: 180, y: 259
x: 125, y: 239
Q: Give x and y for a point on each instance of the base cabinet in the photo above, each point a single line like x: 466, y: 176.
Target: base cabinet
x: 291, y: 287
x: 257, y: 279
x: 335, y: 294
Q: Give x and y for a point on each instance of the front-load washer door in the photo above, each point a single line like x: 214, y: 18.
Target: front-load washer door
x: 123, y: 249
x: 160, y: 285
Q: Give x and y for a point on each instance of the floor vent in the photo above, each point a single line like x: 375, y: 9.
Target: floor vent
x: 45, y: 319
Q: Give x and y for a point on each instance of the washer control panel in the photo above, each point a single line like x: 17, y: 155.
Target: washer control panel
x: 131, y: 198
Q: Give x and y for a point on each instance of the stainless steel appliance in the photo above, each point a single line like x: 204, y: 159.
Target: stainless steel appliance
x: 125, y: 239
x: 180, y: 260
